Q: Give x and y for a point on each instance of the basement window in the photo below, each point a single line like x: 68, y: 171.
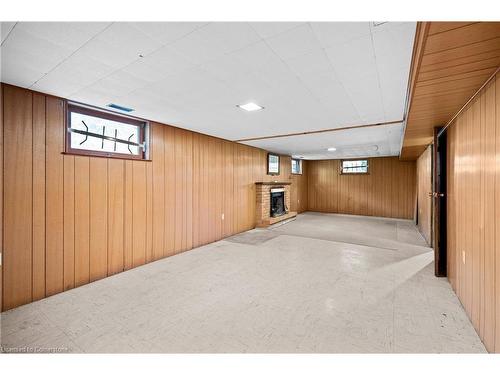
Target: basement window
x: 354, y: 166
x: 98, y: 133
x: 296, y: 166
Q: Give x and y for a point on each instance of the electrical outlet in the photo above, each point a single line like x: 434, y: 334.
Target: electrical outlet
x: 463, y: 257
x: 222, y: 216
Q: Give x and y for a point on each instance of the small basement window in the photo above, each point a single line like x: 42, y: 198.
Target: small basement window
x: 354, y: 166
x: 99, y: 133
x: 296, y: 166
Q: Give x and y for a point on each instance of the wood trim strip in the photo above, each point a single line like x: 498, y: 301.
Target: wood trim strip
x: 468, y: 102
x: 320, y: 131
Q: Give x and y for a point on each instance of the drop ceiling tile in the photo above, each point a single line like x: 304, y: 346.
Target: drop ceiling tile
x: 393, y: 50
x: 393, y: 47
x: 377, y: 27
x: 323, y: 84
x: 77, y: 70
x: 55, y: 84
x: 280, y: 77
x: 366, y: 97
x: 17, y: 71
x: 141, y: 69
x: 94, y: 97
x: 250, y: 58
x: 119, y: 45
x: 352, y: 59
x: 34, y: 52
x: 393, y: 90
x: 109, y: 53
x: 70, y: 35
x: 215, y: 39
x: 5, y: 29
x: 337, y: 104
x: 128, y: 37
x: 119, y: 82
x: 167, y: 61
x: 247, y: 87
x: 311, y: 64
x: 186, y: 82
x: 269, y: 29
x: 333, y: 33
x: 294, y: 42
x: 167, y: 32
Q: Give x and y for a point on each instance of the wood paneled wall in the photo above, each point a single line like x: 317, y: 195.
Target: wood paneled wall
x: 424, y: 187
x: 473, y: 191
x: 388, y: 190
x: 299, y: 192
x: 1, y: 194
x: 70, y: 220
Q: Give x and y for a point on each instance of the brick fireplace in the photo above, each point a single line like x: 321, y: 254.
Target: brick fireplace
x: 265, y: 191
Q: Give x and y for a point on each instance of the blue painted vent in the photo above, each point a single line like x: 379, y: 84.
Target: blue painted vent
x: 120, y: 108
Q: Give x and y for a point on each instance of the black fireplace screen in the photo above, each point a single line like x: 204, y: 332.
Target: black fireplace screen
x: 277, y: 203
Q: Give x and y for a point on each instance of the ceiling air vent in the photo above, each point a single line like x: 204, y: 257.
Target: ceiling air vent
x: 120, y: 108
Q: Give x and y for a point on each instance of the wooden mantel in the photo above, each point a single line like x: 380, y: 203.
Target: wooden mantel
x: 273, y: 183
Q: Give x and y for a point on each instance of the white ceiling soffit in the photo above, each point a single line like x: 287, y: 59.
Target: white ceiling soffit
x: 371, y: 141
x: 308, y: 76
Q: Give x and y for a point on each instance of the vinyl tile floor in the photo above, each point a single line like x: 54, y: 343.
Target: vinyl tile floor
x: 323, y: 283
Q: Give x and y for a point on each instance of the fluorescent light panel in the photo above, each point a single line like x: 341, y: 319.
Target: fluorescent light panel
x: 250, y: 107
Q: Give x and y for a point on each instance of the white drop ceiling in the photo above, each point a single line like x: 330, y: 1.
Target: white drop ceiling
x: 351, y: 143
x: 309, y: 76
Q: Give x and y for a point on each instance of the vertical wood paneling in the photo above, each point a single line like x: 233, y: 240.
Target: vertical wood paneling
x: 139, y: 213
x: 473, y: 208
x: 298, y: 193
x: 170, y: 197
x: 149, y: 212
x: 189, y: 191
x: 196, y: 189
x: 17, y: 241
x: 82, y: 220
x: 491, y: 136
x: 98, y: 260
x: 128, y: 216
x: 388, y: 190
x: 38, y: 196
x: 158, y: 215
x: 69, y: 223
x: 1, y: 197
x: 54, y: 241
x: 476, y: 204
x: 180, y: 193
x: 495, y: 289
x: 228, y: 188
x: 116, y: 215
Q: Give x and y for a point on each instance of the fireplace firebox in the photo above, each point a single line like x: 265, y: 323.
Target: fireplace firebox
x: 278, y: 207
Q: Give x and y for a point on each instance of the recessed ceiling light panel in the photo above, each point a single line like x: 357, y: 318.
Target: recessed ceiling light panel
x: 332, y: 149
x: 250, y: 107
